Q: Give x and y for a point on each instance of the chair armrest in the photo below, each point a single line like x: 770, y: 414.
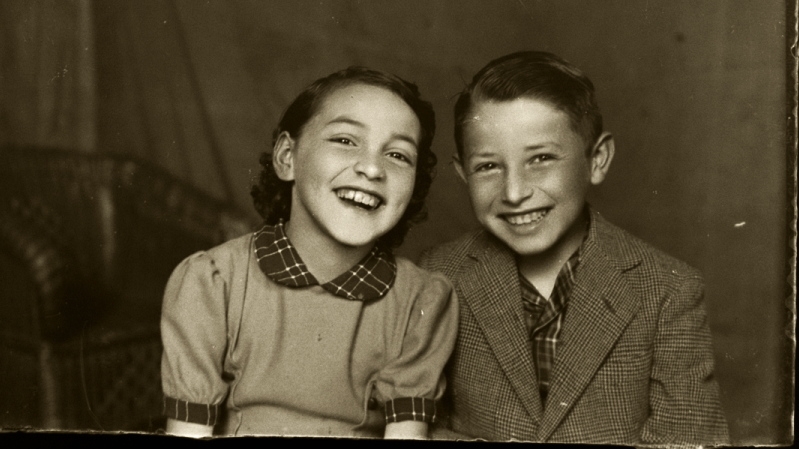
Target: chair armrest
x: 41, y: 300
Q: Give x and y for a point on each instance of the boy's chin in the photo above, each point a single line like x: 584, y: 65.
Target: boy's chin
x: 527, y: 249
x: 525, y: 246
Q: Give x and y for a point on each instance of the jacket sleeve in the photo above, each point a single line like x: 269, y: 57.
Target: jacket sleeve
x: 684, y: 395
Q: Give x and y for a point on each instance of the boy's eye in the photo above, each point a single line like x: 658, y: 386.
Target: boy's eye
x: 541, y: 158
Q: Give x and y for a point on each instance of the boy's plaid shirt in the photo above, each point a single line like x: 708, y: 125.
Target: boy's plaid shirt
x: 369, y: 279
x: 544, y: 319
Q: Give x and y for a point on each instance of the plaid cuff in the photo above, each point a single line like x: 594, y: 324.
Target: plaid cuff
x: 180, y: 410
x: 411, y: 409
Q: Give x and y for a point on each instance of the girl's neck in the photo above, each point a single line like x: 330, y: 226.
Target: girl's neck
x: 325, y: 258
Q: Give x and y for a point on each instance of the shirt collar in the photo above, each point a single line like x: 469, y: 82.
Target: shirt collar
x: 563, y: 282
x: 369, y: 279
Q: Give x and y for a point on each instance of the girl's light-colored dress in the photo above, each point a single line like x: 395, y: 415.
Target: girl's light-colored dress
x: 254, y: 345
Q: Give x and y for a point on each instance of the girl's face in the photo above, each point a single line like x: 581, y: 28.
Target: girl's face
x: 353, y: 166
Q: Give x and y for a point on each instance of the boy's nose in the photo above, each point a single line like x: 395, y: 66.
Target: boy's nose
x: 517, y: 187
x: 370, y: 166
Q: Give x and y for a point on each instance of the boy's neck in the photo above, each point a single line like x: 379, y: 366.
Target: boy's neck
x: 324, y: 258
x: 542, y: 269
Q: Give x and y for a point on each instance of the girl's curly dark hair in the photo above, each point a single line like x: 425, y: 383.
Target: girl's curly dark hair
x: 272, y: 196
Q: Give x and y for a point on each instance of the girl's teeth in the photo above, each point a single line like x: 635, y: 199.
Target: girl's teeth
x: 359, y: 197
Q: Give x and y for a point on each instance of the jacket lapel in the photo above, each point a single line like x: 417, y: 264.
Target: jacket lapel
x: 601, y: 305
x: 491, y: 290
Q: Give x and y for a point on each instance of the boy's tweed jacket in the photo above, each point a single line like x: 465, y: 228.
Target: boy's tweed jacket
x: 634, y: 363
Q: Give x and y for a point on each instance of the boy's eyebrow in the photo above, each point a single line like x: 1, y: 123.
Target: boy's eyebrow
x: 533, y: 147
x: 349, y: 121
x: 538, y: 146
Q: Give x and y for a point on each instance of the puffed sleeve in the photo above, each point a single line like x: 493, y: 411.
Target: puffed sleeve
x: 411, y: 384
x: 684, y: 395
x: 193, y: 331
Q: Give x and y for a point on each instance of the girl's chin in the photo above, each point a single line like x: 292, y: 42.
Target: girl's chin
x: 356, y: 241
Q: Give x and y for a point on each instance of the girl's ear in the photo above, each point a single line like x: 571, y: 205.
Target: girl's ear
x: 601, y: 156
x: 283, y: 157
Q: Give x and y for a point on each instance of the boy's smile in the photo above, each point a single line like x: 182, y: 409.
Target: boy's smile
x: 528, y: 173
x: 353, y: 167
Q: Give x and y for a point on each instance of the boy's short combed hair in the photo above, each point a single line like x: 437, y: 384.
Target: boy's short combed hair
x: 272, y: 196
x: 539, y: 75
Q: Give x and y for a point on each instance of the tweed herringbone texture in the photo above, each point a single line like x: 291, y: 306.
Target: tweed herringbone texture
x: 634, y: 363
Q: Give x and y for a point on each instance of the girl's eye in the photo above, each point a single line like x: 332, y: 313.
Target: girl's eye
x: 485, y: 167
x: 541, y: 158
x: 399, y: 156
x: 342, y: 140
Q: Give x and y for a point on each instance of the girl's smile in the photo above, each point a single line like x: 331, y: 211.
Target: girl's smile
x: 353, y: 167
x: 368, y: 201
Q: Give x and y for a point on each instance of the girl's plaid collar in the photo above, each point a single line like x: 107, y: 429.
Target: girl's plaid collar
x: 368, y: 280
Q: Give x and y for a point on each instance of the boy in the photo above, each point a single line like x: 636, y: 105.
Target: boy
x: 571, y: 329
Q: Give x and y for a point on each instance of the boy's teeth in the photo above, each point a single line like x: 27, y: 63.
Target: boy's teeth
x: 363, y: 198
x: 526, y: 218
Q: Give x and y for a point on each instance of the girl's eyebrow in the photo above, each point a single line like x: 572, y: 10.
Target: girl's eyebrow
x: 346, y: 120
x: 481, y: 154
x: 353, y: 122
x: 405, y: 138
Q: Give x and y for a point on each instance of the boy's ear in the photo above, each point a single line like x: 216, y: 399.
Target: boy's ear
x: 456, y: 160
x: 283, y: 157
x: 601, y: 157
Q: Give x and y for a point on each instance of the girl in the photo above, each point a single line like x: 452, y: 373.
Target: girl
x: 310, y: 326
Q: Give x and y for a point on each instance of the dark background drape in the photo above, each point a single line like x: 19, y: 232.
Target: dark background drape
x: 694, y: 92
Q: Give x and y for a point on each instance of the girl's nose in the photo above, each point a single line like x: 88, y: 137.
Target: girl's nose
x: 370, y: 166
x: 517, y: 188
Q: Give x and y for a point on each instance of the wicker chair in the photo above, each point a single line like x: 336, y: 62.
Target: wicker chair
x: 87, y: 243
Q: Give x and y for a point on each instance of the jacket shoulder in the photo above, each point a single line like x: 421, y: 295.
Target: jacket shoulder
x: 621, y: 245
x: 448, y: 257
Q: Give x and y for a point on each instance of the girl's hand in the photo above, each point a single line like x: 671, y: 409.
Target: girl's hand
x: 188, y: 429
x: 406, y: 430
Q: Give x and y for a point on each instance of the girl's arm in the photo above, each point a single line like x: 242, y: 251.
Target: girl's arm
x: 188, y: 429
x: 406, y: 430
x: 194, y: 335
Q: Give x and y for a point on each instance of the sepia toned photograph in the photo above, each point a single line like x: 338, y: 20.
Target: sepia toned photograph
x: 547, y: 221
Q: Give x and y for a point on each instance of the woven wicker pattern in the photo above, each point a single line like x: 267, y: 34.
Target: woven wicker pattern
x: 88, y: 242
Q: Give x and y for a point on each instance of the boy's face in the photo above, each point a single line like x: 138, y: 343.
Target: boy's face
x: 528, y: 174
x: 353, y: 166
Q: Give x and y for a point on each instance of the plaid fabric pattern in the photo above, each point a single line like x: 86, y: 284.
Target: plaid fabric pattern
x: 368, y: 280
x: 544, y: 320
x: 634, y: 362
x: 411, y: 409
x: 181, y: 410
